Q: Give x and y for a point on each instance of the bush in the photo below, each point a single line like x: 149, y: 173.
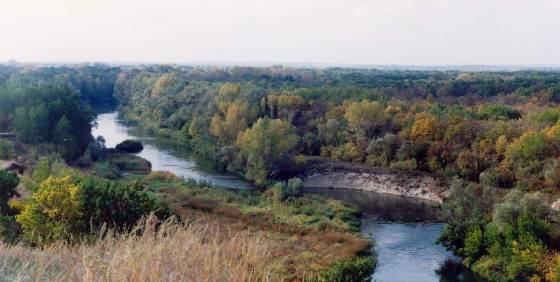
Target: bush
x: 490, y: 177
x: 106, y: 170
x: 292, y: 189
x: 52, y: 213
x: 350, y: 270
x: 130, y: 163
x: 7, y: 149
x: 8, y: 229
x: 8, y: 183
x: 498, y: 112
x: 64, y: 208
x: 85, y: 160
x: 347, y: 152
x: 118, y: 204
x: 130, y: 146
x: 407, y: 165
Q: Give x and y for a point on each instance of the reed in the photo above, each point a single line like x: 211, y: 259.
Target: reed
x: 195, y: 251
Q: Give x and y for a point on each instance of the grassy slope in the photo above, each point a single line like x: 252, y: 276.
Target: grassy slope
x: 224, y: 236
x: 312, y: 232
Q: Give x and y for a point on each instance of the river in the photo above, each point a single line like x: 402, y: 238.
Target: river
x: 405, y: 230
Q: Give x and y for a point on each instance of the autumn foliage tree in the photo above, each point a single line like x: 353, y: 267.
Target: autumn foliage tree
x: 52, y: 213
x: 266, y: 147
x: 365, y: 117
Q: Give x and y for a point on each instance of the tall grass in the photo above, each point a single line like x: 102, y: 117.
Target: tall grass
x: 175, y: 252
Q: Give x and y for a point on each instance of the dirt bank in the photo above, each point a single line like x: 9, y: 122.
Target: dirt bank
x: 327, y: 174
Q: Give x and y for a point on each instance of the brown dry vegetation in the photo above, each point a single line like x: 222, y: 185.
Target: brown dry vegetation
x: 301, y: 254
x: 214, y: 242
x: 196, y: 251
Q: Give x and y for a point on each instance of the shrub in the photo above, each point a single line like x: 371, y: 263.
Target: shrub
x: 130, y: 146
x: 64, y: 208
x: 292, y: 189
x: 7, y: 149
x: 130, y: 163
x: 85, y: 160
x: 498, y: 112
x: 118, y: 204
x: 347, y: 152
x: 350, y: 270
x: 8, y: 229
x: 489, y: 177
x: 8, y: 183
x: 407, y: 165
x: 52, y: 213
x: 106, y: 170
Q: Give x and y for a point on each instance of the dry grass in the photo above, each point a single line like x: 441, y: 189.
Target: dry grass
x: 190, y: 252
x: 299, y: 254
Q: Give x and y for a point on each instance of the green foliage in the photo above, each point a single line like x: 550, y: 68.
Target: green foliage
x: 44, y: 168
x: 106, y: 170
x: 341, y: 113
x: 130, y: 146
x: 498, y: 112
x: 306, y: 212
x: 48, y: 112
x: 117, y: 204
x: 52, y: 213
x: 547, y: 116
x: 129, y: 163
x: 8, y: 229
x: 350, y: 270
x: 511, y: 244
x: 266, y: 148
x: 406, y: 165
x: 67, y: 207
x: 7, y: 149
x: 8, y: 183
x: 291, y: 189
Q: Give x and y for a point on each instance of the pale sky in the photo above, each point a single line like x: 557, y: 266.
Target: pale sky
x: 406, y: 32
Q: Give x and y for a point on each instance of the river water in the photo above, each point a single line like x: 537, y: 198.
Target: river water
x: 405, y: 230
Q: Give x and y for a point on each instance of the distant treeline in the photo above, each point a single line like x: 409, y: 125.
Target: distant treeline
x: 54, y: 104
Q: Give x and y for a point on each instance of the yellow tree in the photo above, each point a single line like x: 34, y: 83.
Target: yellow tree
x: 227, y: 125
x: 365, y: 117
x: 52, y: 213
x: 426, y: 128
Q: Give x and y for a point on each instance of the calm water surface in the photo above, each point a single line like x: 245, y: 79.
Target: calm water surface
x: 164, y: 155
x: 405, y: 230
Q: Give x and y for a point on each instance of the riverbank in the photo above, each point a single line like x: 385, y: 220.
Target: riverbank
x: 324, y: 173
x: 376, y: 208
x: 317, y: 238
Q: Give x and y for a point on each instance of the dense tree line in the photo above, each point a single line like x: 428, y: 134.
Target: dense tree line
x: 499, y: 128
x: 491, y: 129
x: 54, y: 104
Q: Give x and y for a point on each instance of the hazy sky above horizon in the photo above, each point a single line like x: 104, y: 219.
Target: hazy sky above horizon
x: 406, y: 32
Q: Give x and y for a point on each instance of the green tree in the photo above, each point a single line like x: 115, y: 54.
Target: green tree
x: 265, y: 146
x: 7, y: 149
x: 31, y: 123
x: 8, y: 183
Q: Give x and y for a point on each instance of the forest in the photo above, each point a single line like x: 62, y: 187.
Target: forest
x: 493, y: 136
